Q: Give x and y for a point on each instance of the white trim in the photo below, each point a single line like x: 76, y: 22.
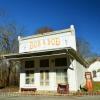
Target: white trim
x: 45, y: 34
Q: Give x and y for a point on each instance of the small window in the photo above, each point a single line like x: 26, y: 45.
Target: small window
x: 29, y: 77
x: 60, y: 62
x: 44, y: 63
x: 29, y: 64
x: 94, y: 73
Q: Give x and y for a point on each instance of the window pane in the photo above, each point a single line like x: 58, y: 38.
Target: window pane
x: 29, y: 64
x: 94, y: 73
x: 61, y: 76
x: 47, y: 83
x: 41, y: 82
x: 41, y: 75
x: 44, y: 63
x: 60, y: 62
x: 31, y: 80
x: 27, y: 80
x: 29, y: 77
x: 44, y: 77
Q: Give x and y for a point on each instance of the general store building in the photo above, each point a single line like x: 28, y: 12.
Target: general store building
x: 50, y: 59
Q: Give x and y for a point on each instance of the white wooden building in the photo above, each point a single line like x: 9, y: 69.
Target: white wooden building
x: 94, y: 68
x: 50, y: 59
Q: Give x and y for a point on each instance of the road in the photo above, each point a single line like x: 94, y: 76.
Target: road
x: 49, y: 97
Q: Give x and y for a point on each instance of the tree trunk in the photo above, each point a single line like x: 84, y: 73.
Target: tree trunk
x: 8, y: 77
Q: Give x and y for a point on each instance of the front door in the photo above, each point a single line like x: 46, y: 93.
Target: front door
x: 44, y: 77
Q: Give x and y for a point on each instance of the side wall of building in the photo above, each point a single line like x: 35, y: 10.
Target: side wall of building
x: 76, y: 74
x: 80, y: 69
x: 72, y: 78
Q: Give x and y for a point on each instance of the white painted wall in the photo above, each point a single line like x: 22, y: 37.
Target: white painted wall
x: 80, y: 69
x: 22, y: 80
x: 76, y: 77
x: 72, y: 77
x: 95, y: 66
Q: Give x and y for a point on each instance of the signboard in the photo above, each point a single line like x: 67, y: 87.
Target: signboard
x: 45, y: 42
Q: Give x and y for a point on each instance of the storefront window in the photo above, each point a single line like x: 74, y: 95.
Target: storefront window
x: 61, y: 76
x: 29, y: 77
x: 44, y: 77
x: 44, y: 63
x: 29, y: 64
x: 60, y: 62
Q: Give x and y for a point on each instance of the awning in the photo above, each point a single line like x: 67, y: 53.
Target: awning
x: 61, y: 51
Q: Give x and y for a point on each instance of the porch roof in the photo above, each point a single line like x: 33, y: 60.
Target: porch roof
x: 61, y: 51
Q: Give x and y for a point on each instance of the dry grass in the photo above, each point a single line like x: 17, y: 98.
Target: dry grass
x: 10, y: 89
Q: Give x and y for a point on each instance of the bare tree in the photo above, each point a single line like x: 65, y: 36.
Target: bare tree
x: 43, y: 30
x: 8, y: 38
x: 84, y: 48
x: 9, y: 44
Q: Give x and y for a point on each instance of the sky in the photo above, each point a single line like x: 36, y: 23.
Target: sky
x: 56, y: 14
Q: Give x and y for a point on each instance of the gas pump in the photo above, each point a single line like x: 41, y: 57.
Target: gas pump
x: 89, y: 82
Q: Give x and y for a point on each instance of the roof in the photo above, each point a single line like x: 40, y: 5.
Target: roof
x: 60, y: 51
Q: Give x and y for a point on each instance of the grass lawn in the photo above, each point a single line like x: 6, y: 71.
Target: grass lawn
x: 96, y: 86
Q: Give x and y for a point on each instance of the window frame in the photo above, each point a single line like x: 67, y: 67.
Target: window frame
x: 58, y: 64
x: 44, y: 81
x: 61, y: 76
x: 29, y: 77
x: 94, y: 73
x: 28, y: 62
x: 43, y: 63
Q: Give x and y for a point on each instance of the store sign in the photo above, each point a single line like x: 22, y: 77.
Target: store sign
x: 43, y: 43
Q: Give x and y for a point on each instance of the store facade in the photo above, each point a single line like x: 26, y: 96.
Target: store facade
x: 50, y: 59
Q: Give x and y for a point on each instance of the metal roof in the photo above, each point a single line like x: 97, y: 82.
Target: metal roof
x: 61, y: 51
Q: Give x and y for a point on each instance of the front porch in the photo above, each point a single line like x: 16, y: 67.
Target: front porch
x: 44, y: 73
x: 44, y: 70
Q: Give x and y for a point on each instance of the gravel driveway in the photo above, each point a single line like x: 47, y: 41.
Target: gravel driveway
x: 49, y: 98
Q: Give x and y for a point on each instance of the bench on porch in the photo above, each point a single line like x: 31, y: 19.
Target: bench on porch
x: 63, y: 88
x: 28, y: 89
